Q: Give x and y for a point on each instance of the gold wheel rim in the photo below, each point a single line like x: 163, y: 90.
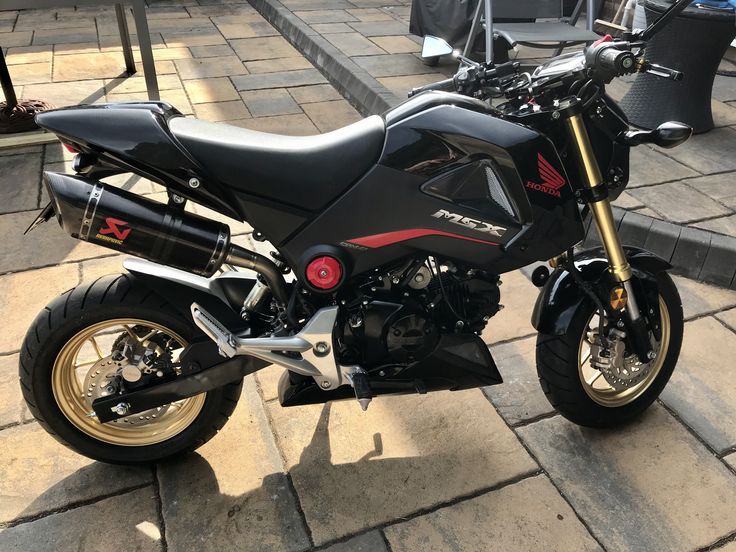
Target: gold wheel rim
x: 594, y: 382
x: 71, y: 399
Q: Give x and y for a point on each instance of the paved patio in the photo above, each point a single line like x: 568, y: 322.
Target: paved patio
x: 475, y: 470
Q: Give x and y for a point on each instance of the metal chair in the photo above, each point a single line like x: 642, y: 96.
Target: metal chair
x: 545, y: 34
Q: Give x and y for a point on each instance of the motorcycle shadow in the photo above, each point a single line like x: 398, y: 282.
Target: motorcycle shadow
x: 214, y: 500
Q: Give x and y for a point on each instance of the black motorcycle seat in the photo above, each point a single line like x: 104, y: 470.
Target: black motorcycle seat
x: 303, y: 171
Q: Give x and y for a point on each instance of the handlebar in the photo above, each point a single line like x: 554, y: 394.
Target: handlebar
x: 447, y: 85
x: 604, y: 61
x: 478, y: 75
x: 607, y: 60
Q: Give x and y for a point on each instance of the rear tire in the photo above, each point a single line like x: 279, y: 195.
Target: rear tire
x: 561, y: 375
x: 110, y: 299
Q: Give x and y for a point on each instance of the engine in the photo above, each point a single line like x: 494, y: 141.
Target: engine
x: 399, y: 316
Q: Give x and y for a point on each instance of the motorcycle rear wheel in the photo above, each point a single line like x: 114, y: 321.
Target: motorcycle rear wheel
x: 581, y: 393
x: 59, y: 381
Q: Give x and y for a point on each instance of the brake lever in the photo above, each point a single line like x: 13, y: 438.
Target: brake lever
x: 660, y: 71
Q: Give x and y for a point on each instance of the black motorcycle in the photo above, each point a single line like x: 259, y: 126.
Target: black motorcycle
x: 395, y: 230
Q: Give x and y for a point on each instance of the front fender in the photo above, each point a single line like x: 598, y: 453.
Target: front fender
x: 561, y: 298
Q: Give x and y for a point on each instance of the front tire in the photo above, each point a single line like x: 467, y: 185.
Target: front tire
x: 58, y: 384
x: 583, y: 396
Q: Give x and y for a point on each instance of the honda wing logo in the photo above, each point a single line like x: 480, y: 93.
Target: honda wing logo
x: 113, y: 227
x: 473, y: 224
x: 552, y: 180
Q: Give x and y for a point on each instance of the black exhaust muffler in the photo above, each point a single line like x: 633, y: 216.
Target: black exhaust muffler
x: 114, y: 218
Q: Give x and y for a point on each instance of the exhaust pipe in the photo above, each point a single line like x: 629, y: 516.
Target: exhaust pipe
x: 91, y: 211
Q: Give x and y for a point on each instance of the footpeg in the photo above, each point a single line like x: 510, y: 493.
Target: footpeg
x: 362, y: 387
x: 214, y: 330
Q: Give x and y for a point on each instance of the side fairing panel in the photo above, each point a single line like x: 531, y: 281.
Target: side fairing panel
x: 527, y: 164
x: 455, y: 183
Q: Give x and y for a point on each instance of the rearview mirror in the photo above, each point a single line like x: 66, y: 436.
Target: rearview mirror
x: 435, y: 47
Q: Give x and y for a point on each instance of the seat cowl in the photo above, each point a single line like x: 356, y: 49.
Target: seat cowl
x: 135, y: 137
x: 67, y: 121
x: 303, y: 171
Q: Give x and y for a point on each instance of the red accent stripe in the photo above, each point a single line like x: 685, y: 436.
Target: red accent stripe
x: 389, y: 238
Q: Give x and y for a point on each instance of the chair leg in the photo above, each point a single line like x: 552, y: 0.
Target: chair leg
x: 473, y: 28
x: 125, y: 39
x: 144, y: 40
x: 574, y: 16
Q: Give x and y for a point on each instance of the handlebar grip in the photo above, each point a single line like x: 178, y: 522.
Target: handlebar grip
x: 447, y: 85
x: 505, y: 69
x: 613, y: 60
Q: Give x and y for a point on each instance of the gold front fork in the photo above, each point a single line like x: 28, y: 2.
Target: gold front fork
x: 601, y: 210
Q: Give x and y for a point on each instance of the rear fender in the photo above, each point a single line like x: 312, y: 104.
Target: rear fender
x: 562, y: 298
x: 222, y: 296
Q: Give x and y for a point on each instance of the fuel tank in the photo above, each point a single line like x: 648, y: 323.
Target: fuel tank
x: 456, y: 181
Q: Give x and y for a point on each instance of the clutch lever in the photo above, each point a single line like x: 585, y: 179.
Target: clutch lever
x: 660, y: 71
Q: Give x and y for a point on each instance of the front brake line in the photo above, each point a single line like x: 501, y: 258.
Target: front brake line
x: 585, y: 286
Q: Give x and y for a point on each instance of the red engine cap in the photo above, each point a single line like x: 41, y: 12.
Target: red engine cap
x: 324, y: 272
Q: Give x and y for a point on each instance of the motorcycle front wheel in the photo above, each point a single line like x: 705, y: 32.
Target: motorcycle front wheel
x: 74, y: 353
x: 587, y: 396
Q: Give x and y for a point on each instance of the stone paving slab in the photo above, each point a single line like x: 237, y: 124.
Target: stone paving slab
x: 545, y: 523
x: 721, y: 225
x: 368, y: 542
x: 699, y: 299
x: 649, y: 486
x: 39, y: 475
x: 518, y: 295
x: 519, y: 398
x: 728, y: 318
x: 703, y: 388
x: 47, y: 245
x: 222, y: 111
x: 731, y: 460
x: 682, y: 203
x: 19, y: 302
x: 233, y: 493
x: 129, y: 520
x: 708, y: 153
x: 17, y: 171
x: 355, y: 470
x: 12, y: 406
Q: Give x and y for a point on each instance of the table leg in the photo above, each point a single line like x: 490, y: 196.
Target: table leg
x: 125, y: 39
x: 144, y: 40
